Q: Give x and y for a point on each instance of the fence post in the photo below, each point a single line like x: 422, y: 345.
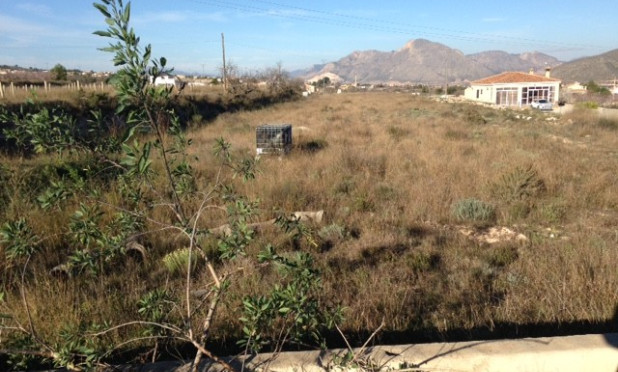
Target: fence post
x: 77, y: 84
x: 12, y: 89
x: 1, y: 90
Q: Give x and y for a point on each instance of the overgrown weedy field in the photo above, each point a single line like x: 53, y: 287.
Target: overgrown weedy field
x: 408, y: 186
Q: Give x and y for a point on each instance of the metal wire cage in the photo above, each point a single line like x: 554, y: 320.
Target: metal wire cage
x: 273, y: 139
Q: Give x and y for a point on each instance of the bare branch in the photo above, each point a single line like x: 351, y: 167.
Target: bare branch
x: 382, y: 324
x: 212, y: 356
x: 138, y: 322
x: 206, y: 326
x: 136, y: 339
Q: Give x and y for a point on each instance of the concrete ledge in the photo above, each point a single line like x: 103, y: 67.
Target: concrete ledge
x: 597, y: 353
x: 572, y: 353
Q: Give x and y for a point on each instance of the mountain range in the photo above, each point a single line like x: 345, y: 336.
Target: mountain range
x: 422, y: 61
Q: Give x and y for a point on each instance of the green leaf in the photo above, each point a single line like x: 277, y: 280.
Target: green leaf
x: 129, y: 134
x: 147, y: 52
x: 103, y: 33
x: 102, y: 9
x: 108, y: 49
x: 127, y: 13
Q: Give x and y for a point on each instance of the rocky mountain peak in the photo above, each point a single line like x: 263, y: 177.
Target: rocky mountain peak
x: 421, y: 61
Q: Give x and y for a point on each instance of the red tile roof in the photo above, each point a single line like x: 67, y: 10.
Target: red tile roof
x: 514, y: 77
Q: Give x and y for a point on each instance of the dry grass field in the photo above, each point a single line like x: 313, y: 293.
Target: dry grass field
x: 408, y: 186
x: 389, y: 169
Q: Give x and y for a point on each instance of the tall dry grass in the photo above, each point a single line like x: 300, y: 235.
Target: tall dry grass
x: 387, y: 169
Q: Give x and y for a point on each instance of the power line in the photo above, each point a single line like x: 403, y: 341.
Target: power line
x: 370, y: 24
x: 439, y: 29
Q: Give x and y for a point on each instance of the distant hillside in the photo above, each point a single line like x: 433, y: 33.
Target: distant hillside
x: 498, y: 61
x: 598, y: 68
x: 425, y: 62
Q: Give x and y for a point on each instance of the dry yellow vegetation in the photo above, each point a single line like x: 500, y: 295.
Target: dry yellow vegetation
x: 405, y: 183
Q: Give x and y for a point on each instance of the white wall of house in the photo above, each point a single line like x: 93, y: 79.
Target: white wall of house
x: 480, y: 93
x: 165, y: 80
x: 513, y: 94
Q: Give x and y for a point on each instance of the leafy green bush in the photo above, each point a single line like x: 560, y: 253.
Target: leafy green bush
x: 18, y: 239
x: 294, y: 304
x: 473, y: 210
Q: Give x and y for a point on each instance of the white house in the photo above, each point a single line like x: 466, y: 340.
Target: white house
x: 576, y: 87
x: 166, y: 80
x: 514, y: 89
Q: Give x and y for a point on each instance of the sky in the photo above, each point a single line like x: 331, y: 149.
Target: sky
x: 259, y: 34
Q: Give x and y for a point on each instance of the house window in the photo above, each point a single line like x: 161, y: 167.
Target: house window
x: 537, y: 93
x: 506, y: 96
x: 478, y: 92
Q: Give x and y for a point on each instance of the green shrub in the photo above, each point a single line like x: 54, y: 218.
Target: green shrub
x: 473, y: 116
x: 332, y: 232
x: 314, y: 145
x: 345, y: 187
x: 363, y: 202
x: 177, y: 261
x: 519, y: 210
x: 501, y: 256
x: 555, y: 211
x: 420, y: 261
x: 520, y: 184
x: 589, y: 105
x: 473, y: 210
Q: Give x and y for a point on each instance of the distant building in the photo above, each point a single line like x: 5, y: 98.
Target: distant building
x: 332, y: 78
x: 576, y: 87
x: 514, y: 89
x: 166, y: 80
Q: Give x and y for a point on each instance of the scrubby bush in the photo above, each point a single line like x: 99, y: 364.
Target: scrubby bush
x: 519, y: 184
x: 473, y: 210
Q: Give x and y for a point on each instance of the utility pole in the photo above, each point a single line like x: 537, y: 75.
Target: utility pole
x: 224, y: 68
x: 446, y: 71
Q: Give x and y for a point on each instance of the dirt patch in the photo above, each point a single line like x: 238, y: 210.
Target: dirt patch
x: 493, y: 235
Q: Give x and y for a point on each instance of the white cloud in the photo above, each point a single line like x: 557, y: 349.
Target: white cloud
x: 39, y: 9
x: 494, y: 20
x: 19, y: 32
